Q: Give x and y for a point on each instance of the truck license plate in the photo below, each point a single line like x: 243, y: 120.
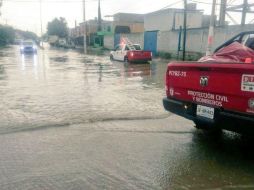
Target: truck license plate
x: 205, y: 111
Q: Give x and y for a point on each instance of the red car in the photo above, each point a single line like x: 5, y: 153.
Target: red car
x: 217, y: 92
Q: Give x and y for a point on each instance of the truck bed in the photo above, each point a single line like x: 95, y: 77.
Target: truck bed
x: 226, y: 86
x: 215, y: 94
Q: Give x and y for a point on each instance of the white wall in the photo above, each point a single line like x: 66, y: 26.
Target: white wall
x: 194, y: 20
x: 171, y: 19
x: 162, y: 22
x: 109, y: 41
x: 197, y: 38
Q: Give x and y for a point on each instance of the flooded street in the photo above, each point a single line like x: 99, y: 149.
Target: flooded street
x: 75, y: 122
x: 58, y: 87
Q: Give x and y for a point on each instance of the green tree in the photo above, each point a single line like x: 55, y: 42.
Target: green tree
x: 7, y: 35
x: 27, y: 35
x: 58, y: 27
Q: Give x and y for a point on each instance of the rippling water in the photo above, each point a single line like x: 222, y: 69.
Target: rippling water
x: 59, y: 87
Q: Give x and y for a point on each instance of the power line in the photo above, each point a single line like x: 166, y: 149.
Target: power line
x: 53, y: 1
x: 207, y: 3
x: 172, y: 4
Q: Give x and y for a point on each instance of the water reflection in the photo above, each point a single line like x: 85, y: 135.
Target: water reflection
x: 133, y: 70
x: 3, y: 74
x: 30, y: 62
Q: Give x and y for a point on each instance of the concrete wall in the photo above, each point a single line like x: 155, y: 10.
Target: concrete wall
x: 109, y: 41
x: 169, y: 19
x: 167, y: 41
x: 162, y: 21
x: 194, y: 20
x: 197, y: 38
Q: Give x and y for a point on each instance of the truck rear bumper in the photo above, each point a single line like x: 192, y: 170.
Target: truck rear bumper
x: 140, y: 60
x: 224, y: 119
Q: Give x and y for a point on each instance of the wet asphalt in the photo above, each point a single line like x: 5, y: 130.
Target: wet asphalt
x: 70, y: 121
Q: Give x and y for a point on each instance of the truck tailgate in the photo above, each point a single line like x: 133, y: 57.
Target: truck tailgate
x: 227, y: 86
x: 139, y: 54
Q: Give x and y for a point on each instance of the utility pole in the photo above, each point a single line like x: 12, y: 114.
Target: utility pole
x: 211, y: 30
x: 84, y: 27
x: 245, y: 9
x: 41, y: 22
x: 99, y: 16
x: 223, y: 8
x: 184, y: 29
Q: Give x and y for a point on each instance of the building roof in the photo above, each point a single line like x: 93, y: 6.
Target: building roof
x: 131, y: 14
x: 163, y: 11
x: 132, y: 17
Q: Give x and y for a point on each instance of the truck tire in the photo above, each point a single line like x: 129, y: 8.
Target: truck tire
x: 126, y: 59
x: 207, y: 128
x: 111, y: 57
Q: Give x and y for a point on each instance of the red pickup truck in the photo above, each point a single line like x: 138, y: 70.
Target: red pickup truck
x: 128, y: 52
x: 217, y: 92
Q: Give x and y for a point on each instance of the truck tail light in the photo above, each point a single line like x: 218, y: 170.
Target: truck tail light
x: 248, y: 60
x: 251, y: 103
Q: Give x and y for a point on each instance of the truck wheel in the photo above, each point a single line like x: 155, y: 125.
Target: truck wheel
x: 208, y: 128
x: 111, y: 58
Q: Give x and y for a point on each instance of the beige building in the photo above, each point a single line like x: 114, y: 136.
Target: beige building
x: 91, y: 28
x: 128, y: 23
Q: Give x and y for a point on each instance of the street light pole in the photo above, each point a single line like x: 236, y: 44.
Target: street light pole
x: 84, y: 27
x: 211, y: 30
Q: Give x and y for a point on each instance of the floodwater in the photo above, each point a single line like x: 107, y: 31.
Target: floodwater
x: 75, y: 122
x: 59, y: 87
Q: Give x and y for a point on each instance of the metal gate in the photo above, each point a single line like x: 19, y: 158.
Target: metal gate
x: 150, y: 41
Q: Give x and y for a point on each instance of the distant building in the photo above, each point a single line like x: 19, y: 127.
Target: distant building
x: 91, y: 28
x: 128, y: 23
x: 172, y: 19
x: 92, y: 33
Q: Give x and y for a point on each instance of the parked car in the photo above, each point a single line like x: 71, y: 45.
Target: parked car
x: 129, y: 52
x: 217, y: 92
x: 28, y: 47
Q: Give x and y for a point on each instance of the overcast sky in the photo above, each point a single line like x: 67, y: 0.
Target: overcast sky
x: 25, y: 14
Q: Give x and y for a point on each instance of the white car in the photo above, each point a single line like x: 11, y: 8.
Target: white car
x: 28, y: 47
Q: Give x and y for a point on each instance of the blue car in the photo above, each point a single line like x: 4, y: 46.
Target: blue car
x: 28, y: 47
